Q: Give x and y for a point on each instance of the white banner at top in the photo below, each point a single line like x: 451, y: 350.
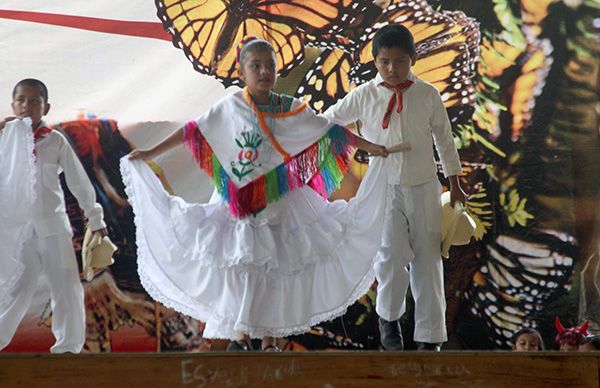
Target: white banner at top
x: 109, y: 58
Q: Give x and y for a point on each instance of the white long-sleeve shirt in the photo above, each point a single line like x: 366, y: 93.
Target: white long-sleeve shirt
x: 422, y: 122
x: 53, y: 155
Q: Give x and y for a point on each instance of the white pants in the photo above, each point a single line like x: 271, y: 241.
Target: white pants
x: 411, y: 237
x: 54, y: 258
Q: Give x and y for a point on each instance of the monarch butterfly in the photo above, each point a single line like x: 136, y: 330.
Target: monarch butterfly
x: 208, y: 32
x: 521, y: 270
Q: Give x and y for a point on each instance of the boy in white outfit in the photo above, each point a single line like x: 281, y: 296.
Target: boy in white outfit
x: 394, y: 108
x: 48, y: 249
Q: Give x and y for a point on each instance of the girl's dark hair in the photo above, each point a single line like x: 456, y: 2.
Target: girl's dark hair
x: 393, y: 36
x: 592, y: 339
x: 528, y: 330
x: 35, y: 83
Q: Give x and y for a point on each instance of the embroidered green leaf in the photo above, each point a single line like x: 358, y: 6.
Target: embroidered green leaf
x: 237, y: 173
x: 239, y: 143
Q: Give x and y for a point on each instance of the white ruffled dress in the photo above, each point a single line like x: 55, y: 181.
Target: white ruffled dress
x: 300, y: 261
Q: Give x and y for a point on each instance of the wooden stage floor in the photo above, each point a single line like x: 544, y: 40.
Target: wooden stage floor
x: 309, y: 369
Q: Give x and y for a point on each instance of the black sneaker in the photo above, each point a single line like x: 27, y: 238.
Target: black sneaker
x: 428, y: 347
x: 390, y: 334
x: 238, y: 346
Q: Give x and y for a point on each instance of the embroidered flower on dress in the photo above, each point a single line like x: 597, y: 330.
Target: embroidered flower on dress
x: 247, y: 155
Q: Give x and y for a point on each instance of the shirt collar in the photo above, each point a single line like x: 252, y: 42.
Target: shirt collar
x: 42, y: 125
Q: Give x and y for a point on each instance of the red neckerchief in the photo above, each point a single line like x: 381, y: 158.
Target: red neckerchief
x: 397, y: 96
x: 40, y: 132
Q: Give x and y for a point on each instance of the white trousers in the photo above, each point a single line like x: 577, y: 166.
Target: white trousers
x: 54, y: 258
x: 410, y: 254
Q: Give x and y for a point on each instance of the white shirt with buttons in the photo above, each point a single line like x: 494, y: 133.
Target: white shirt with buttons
x: 54, y: 155
x: 422, y: 122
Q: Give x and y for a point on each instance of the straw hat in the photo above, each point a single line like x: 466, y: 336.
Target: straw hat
x: 97, y: 252
x: 457, y: 226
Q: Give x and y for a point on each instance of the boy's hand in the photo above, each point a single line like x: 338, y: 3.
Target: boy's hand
x: 376, y: 150
x: 457, y: 194
x: 372, y: 148
x: 6, y: 120
x: 103, y: 232
x: 140, y: 154
x: 402, y: 147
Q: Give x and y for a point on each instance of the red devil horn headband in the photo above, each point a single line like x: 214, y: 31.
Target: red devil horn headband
x: 559, y: 327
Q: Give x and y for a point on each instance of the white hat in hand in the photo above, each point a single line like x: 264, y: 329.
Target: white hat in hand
x: 97, y: 252
x: 457, y: 226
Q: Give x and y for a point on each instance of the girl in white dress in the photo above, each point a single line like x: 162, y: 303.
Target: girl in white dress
x: 268, y: 256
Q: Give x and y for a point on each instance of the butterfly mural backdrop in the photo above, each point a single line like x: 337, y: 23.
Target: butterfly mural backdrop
x: 519, y: 79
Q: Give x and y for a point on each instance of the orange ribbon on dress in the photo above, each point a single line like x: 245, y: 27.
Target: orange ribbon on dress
x: 397, y: 96
x: 261, y: 120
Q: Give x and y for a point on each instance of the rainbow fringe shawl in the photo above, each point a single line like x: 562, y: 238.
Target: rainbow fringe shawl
x: 321, y: 166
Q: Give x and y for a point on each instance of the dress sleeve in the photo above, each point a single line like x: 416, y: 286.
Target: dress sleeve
x: 80, y: 185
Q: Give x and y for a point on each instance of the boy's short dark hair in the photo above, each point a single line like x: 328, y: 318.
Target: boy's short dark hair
x: 34, y: 83
x: 393, y: 36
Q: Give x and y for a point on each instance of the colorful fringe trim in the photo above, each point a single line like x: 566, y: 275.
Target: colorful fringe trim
x: 321, y: 166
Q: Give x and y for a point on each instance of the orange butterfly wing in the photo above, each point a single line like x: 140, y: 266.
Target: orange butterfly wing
x: 528, y: 86
x: 327, y: 79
